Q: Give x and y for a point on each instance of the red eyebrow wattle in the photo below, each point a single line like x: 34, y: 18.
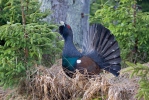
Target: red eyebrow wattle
x: 68, y: 27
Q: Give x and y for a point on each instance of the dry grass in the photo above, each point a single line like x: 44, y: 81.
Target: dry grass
x: 54, y: 84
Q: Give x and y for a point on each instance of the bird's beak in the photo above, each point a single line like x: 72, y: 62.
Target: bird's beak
x: 62, y: 23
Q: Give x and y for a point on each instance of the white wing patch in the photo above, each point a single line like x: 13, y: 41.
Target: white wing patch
x: 78, y: 61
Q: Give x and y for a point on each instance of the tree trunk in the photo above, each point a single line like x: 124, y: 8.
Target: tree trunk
x: 73, y: 12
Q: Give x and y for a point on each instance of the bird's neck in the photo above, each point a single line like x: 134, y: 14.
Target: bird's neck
x: 69, y: 49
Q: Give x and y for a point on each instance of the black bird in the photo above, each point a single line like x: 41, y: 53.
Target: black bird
x: 100, y: 51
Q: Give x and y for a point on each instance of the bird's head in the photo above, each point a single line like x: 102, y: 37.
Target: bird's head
x: 65, y: 30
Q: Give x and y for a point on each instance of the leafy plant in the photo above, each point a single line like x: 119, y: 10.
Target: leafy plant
x: 96, y: 4
x: 143, y: 4
x: 143, y: 72
x: 129, y: 25
x: 25, y: 39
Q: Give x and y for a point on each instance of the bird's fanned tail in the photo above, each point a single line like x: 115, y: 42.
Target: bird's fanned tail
x: 100, y: 45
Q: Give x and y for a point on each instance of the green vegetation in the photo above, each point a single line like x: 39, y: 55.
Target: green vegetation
x: 24, y: 39
x: 129, y: 25
x: 128, y: 21
x: 143, y: 72
x: 144, y: 5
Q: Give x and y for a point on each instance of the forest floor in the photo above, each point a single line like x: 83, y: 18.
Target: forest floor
x: 53, y: 84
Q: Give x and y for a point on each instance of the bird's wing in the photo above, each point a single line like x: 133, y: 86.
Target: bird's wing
x: 100, y: 45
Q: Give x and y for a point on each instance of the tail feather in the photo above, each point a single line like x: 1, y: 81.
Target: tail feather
x: 113, y: 55
x: 109, y: 43
x: 116, y: 73
x: 100, y: 45
x: 105, y: 40
x: 113, y: 61
x: 110, y: 49
x: 116, y: 67
x: 103, y: 35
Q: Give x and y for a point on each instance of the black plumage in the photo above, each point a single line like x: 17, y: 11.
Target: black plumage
x: 99, y: 45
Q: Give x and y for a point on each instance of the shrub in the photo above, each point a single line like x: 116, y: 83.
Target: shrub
x: 129, y: 24
x: 24, y: 43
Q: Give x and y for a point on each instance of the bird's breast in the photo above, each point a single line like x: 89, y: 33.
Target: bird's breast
x: 69, y: 62
x: 86, y: 64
